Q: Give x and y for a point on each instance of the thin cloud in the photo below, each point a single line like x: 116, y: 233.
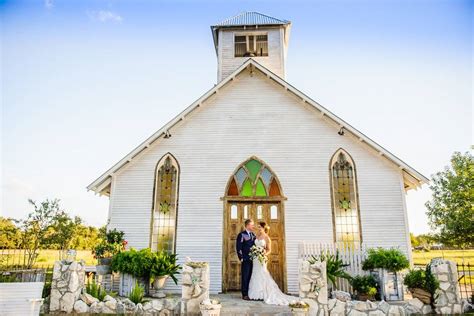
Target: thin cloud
x: 48, y: 4
x: 104, y: 16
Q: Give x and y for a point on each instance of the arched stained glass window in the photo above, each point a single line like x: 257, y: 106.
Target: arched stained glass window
x: 163, y: 236
x: 345, y: 199
x: 253, y: 179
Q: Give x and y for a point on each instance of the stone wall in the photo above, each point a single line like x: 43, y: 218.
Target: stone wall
x: 313, y: 286
x: 67, y: 284
x: 341, y: 307
x: 123, y: 305
x: 195, y: 286
x: 447, y: 297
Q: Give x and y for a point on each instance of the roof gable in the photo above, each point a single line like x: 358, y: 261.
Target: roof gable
x: 412, y: 178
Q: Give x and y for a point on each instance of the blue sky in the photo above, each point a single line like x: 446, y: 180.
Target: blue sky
x: 83, y: 82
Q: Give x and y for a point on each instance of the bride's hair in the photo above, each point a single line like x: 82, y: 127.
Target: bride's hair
x: 265, y: 226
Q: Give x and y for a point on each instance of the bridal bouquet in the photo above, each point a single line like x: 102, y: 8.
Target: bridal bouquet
x: 258, y: 253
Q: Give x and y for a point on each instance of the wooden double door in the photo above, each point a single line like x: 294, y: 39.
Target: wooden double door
x: 270, y: 212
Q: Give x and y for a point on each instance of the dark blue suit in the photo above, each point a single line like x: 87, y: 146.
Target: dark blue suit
x: 244, y: 242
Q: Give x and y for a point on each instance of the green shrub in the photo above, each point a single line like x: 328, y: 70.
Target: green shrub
x: 415, y: 279
x: 112, y: 243
x: 115, y: 236
x: 46, y: 289
x: 95, y: 289
x: 134, y: 262
x: 334, y: 266
x: 422, y: 279
x: 8, y: 278
x: 145, y: 263
x: 364, y: 284
x: 389, y: 259
x: 137, y: 294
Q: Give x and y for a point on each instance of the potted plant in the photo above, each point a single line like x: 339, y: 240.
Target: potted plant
x: 365, y: 287
x: 335, y: 267
x: 112, y: 243
x: 141, y: 265
x: 422, y: 284
x: 385, y: 265
x: 134, y: 266
x: 299, y: 308
x: 210, y: 307
x: 163, y: 265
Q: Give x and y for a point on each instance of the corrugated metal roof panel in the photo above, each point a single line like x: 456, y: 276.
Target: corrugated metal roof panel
x: 252, y: 18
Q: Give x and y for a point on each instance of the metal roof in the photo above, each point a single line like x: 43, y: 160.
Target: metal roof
x: 251, y: 18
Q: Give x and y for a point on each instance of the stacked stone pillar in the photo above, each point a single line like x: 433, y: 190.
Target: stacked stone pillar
x: 447, y: 297
x: 67, y: 284
x: 195, y: 281
x: 313, y: 286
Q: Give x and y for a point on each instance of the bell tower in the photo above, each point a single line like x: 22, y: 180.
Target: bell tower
x: 251, y: 35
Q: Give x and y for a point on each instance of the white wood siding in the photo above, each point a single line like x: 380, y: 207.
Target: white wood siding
x: 255, y: 116
x: 274, y: 61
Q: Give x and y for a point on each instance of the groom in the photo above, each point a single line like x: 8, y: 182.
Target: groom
x: 245, y: 241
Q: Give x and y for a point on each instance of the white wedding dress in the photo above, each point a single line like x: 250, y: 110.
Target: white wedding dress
x: 262, y: 286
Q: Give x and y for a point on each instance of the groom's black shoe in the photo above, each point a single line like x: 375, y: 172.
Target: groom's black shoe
x: 246, y: 298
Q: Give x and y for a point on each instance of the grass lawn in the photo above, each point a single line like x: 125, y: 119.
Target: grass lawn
x: 45, y: 259
x: 459, y: 256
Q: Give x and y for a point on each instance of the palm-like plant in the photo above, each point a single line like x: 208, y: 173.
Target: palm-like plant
x: 334, y: 266
x: 164, y: 264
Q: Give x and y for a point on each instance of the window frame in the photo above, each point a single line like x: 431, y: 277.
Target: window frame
x: 332, y: 161
x: 273, y: 182
x: 247, y: 35
x: 155, y: 204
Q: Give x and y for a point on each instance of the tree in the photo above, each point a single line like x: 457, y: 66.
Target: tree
x: 451, y: 209
x: 86, y: 237
x: 424, y: 240
x: 10, y: 235
x: 413, y: 240
x: 61, y: 231
x: 35, y: 227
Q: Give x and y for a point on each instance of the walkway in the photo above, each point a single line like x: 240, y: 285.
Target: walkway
x: 232, y: 304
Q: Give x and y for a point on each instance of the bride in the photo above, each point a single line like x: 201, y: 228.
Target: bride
x: 262, y: 286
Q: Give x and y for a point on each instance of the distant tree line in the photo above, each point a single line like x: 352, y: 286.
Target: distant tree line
x: 48, y: 226
x: 423, y: 241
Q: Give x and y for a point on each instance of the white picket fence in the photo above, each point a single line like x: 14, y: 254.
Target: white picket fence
x: 354, y: 256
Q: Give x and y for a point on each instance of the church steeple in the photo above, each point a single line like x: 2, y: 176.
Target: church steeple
x: 251, y: 35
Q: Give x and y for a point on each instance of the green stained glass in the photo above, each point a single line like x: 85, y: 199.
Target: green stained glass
x: 253, y: 166
x: 164, y: 207
x: 345, y: 204
x: 260, y: 189
x: 246, y: 188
